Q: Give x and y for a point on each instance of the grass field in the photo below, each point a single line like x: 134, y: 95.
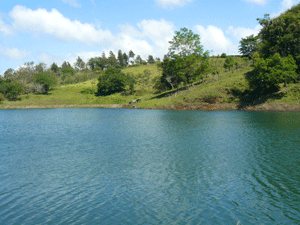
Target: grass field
x: 214, y: 89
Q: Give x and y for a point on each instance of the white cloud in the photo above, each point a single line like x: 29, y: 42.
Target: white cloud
x: 213, y: 38
x: 85, y: 56
x: 5, y: 29
x: 242, y: 32
x: 54, y: 23
x: 172, y: 3
x: 73, y: 3
x: 258, y: 2
x: 14, y: 53
x: 285, y: 5
x: 150, y: 39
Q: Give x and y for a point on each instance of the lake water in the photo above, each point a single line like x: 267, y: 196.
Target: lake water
x: 120, y: 166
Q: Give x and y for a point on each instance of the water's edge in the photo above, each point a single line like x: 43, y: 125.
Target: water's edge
x: 268, y: 107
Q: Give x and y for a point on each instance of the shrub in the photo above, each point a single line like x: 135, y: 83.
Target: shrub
x: 2, y: 97
x: 210, y: 98
x: 113, y: 81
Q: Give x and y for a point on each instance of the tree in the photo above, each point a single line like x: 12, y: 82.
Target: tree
x: 269, y: 73
x: 223, y: 55
x: 126, y: 59
x: 185, y: 60
x: 131, y: 54
x: 248, y: 46
x: 150, y: 59
x: 9, y: 74
x: 66, y: 65
x: 121, y: 59
x: 92, y: 63
x: 112, y: 81
x: 157, y: 59
x: 138, y: 60
x: 41, y: 67
x: 112, y: 61
x: 185, y: 43
x: 229, y: 62
x: 10, y: 89
x: 281, y: 35
x: 79, y: 64
x: 46, y: 80
x: 68, y: 73
x: 54, y: 67
x: 100, y: 62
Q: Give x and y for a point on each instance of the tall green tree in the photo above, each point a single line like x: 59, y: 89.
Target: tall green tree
x: 138, y: 59
x: 46, y: 80
x: 66, y: 65
x: 186, y: 59
x: 248, y: 46
x: 126, y: 59
x: 9, y: 74
x: 281, y: 35
x: 54, y: 67
x: 79, y: 64
x: 41, y: 67
x: 270, y: 72
x: 112, y: 61
x: 185, y: 43
x: 120, y: 58
x: 150, y: 59
x: 131, y: 54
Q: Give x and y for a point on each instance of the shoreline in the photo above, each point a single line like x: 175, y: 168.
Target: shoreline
x: 268, y: 107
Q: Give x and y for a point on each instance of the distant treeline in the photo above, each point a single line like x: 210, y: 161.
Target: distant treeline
x: 39, y: 79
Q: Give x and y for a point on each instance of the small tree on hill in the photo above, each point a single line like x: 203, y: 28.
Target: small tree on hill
x: 10, y: 90
x: 248, y: 46
x: 112, y: 81
x: 229, y: 62
x: 46, y: 80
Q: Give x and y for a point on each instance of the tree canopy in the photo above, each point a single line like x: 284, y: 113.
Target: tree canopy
x: 248, y: 46
x: 113, y: 81
x: 281, y: 35
x: 270, y: 72
x: 185, y: 60
x: 185, y: 43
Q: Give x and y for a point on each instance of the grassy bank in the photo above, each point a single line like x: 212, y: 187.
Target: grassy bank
x: 214, y: 92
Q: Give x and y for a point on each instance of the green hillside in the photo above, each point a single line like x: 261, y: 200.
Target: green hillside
x: 214, y: 92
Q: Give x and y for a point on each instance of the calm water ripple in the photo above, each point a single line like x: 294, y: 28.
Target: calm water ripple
x: 105, y: 166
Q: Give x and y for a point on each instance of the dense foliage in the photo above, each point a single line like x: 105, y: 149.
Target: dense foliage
x: 10, y: 90
x: 270, y: 72
x: 46, y: 80
x: 186, y: 60
x: 248, y: 46
x: 276, y: 51
x: 113, y: 81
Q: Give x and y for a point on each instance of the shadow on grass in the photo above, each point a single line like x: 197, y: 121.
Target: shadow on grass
x: 171, y: 92
x: 253, y: 98
x: 43, y: 94
x: 14, y: 99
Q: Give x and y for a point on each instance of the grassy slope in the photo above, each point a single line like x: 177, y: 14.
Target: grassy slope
x: 215, y: 86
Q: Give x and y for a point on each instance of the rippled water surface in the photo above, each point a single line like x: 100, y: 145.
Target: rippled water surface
x: 118, y: 166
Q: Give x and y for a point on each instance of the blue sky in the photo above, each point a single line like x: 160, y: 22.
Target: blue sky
x: 59, y: 30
